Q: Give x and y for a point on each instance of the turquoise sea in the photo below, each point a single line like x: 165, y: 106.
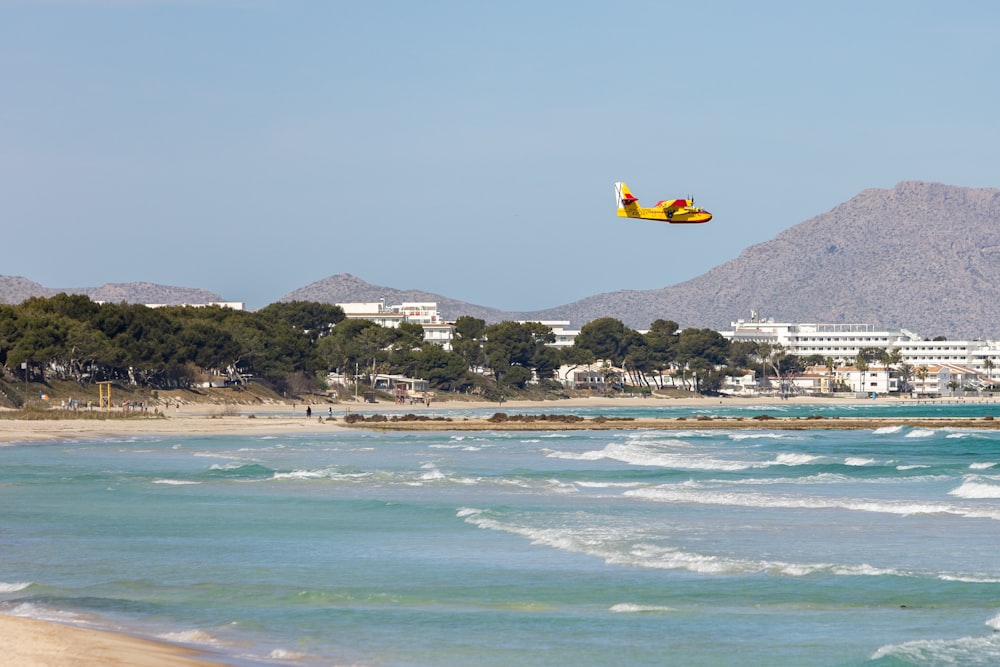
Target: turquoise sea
x: 450, y: 549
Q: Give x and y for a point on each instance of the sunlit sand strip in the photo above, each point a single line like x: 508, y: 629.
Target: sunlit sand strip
x: 31, y: 643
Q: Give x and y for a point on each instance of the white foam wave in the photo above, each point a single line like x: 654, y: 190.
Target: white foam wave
x: 175, y: 482
x: 235, y: 465
x: 819, y: 478
x: 884, y: 430
x: 994, y: 622
x: 858, y: 461
x: 910, y: 467
x: 609, y: 485
x: 794, y: 459
x: 13, y: 588
x: 304, y: 474
x: 969, y: 579
x: 322, y: 473
x: 962, y: 651
x: 981, y: 466
x: 629, y: 608
x: 29, y: 610
x: 758, y: 436
x: 678, y: 493
x: 190, y: 637
x: 976, y: 487
x: 608, y: 545
x: 286, y: 654
x: 651, y: 454
x: 920, y: 433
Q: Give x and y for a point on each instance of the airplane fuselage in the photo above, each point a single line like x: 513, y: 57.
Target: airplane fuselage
x: 679, y: 215
x: 674, y: 211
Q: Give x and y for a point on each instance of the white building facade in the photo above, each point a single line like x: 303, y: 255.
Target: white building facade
x: 436, y: 329
x: 843, y: 342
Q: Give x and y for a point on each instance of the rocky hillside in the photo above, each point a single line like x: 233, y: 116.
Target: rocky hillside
x: 921, y: 256
x: 345, y: 287
x: 15, y: 289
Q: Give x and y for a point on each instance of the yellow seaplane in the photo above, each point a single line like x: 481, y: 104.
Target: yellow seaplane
x: 666, y: 210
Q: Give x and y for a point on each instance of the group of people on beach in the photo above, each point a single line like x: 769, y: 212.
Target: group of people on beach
x: 309, y: 412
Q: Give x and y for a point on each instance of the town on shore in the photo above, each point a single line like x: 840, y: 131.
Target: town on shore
x: 67, y: 351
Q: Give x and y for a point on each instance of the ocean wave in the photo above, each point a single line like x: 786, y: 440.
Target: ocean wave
x: 607, y: 544
x: 981, y: 466
x: 175, y: 482
x: 829, y: 478
x: 287, y: 654
x: 644, y: 454
x: 759, y: 436
x: 976, y: 486
x: 39, y: 613
x: 609, y: 485
x: 885, y: 430
x: 858, y: 461
x: 792, y: 460
x: 920, y: 433
x: 240, y: 470
x: 971, y: 651
x: 970, y: 579
x: 13, y: 588
x: 677, y: 493
x: 630, y: 608
x: 320, y: 473
x: 194, y: 637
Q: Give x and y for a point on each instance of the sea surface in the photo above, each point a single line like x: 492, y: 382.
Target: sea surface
x: 447, y: 549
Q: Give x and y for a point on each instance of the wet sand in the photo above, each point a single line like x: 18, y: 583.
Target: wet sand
x: 31, y: 643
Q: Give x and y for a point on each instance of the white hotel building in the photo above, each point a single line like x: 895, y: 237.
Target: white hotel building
x: 424, y: 313
x: 842, y: 342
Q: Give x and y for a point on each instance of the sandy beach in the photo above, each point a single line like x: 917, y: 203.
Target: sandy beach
x: 31, y: 643
x: 210, y: 420
x: 35, y: 643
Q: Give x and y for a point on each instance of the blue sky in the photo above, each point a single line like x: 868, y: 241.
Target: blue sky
x: 469, y: 149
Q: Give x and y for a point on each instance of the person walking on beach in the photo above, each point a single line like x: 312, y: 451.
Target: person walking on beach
x: 309, y: 411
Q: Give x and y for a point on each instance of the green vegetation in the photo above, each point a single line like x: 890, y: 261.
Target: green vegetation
x: 290, y: 348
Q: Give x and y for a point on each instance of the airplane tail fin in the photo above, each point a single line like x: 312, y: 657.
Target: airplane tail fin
x: 628, y: 205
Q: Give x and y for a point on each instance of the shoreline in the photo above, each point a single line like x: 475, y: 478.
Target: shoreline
x: 30, y: 642
x: 210, y: 419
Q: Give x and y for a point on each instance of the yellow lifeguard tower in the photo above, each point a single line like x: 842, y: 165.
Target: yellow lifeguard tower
x: 104, y: 392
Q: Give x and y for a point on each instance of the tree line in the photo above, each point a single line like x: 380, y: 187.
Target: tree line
x: 292, y: 347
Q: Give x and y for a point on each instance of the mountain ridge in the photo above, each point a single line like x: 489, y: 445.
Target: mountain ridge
x: 890, y: 257
x: 921, y: 256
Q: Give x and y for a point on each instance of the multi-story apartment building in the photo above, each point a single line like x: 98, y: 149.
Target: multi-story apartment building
x: 436, y: 329
x: 843, y: 342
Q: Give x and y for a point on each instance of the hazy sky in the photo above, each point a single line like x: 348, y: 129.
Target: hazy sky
x: 251, y: 147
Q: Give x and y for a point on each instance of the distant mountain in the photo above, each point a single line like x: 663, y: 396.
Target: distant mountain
x: 921, y: 256
x: 15, y: 289
x: 346, y: 288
